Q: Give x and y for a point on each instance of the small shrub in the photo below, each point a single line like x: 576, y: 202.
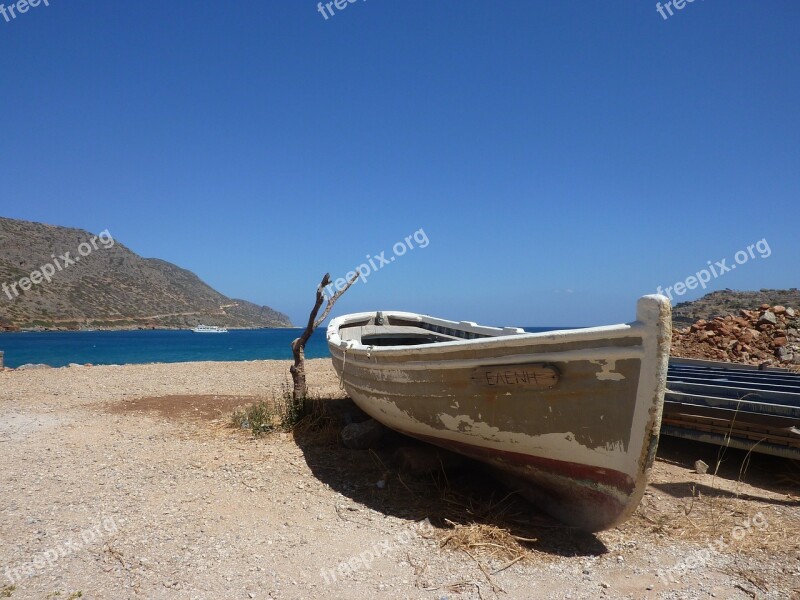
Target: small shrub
x: 259, y: 417
x: 278, y: 414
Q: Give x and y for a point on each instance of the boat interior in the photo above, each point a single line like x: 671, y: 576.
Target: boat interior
x: 408, y: 329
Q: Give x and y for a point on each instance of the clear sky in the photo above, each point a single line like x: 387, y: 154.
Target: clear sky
x: 562, y: 158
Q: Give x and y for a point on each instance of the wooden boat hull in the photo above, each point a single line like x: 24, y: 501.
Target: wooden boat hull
x: 570, y: 418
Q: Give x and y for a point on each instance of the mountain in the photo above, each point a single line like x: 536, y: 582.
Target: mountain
x: 723, y: 302
x: 63, y: 278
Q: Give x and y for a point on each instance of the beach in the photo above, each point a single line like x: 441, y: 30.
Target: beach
x: 129, y: 482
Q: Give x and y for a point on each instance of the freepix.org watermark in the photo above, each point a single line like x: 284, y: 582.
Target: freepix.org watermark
x: 20, y: 7
x: 718, y: 269
x: 363, y: 560
x: 48, y: 270
x: 42, y: 560
x: 326, y: 9
x: 378, y: 261
x: 666, y: 11
x: 700, y: 558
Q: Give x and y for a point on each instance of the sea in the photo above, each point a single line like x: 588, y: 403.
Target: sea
x: 61, y: 348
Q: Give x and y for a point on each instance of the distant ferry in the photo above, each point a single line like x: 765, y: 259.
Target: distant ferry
x: 210, y: 329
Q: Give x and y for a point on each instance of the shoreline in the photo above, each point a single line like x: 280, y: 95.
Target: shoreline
x: 27, y: 367
x: 108, y: 329
x: 43, y: 366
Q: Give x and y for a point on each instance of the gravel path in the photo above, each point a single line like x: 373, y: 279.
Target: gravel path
x: 126, y: 482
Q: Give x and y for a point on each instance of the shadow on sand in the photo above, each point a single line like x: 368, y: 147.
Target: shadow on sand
x: 463, y: 493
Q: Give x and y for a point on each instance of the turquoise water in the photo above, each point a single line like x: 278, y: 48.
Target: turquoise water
x: 60, y: 348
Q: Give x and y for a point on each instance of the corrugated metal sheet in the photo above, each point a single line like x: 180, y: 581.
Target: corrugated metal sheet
x: 731, y: 406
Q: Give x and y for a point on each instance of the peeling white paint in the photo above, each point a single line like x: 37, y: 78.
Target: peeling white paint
x: 459, y: 426
x: 607, y: 372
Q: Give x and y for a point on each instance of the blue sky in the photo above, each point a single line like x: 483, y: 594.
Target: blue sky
x: 561, y: 158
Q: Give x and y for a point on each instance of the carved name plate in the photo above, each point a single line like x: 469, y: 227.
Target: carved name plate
x: 537, y: 376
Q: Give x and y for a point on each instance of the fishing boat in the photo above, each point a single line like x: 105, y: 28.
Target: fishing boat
x: 569, y: 418
x: 209, y: 329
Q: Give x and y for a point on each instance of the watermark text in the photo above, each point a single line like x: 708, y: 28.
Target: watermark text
x: 378, y: 261
x: 48, y: 270
x: 363, y: 560
x: 666, y: 11
x: 20, y: 7
x: 760, y: 249
x: 51, y: 556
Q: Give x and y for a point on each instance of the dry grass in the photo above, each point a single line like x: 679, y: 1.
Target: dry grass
x: 491, y: 540
x: 739, y: 524
x: 486, y: 529
x: 725, y: 517
x: 721, y: 515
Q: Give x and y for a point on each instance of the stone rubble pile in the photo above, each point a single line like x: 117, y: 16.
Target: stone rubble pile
x: 769, y: 336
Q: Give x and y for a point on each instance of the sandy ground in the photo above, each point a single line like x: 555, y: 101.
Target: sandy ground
x: 127, y: 482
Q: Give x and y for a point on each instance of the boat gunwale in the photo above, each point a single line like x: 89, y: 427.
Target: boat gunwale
x: 635, y: 330
x: 612, y: 353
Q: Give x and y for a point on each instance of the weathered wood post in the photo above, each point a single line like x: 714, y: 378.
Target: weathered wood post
x: 298, y: 369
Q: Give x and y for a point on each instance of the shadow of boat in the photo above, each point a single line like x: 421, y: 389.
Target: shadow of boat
x: 461, y: 494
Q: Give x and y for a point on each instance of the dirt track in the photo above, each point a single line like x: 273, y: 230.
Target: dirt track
x: 125, y: 482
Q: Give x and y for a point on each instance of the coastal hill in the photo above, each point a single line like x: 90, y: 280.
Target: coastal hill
x: 101, y: 284
x: 723, y: 302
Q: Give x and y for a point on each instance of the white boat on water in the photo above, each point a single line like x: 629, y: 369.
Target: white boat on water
x: 570, y: 418
x: 209, y: 329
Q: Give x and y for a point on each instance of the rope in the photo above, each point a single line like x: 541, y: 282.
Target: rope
x: 344, y: 362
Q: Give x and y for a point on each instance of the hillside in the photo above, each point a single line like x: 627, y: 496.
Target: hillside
x: 101, y: 284
x: 723, y: 302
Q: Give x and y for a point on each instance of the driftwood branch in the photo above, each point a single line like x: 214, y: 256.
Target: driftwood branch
x: 298, y: 370
x: 333, y: 300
